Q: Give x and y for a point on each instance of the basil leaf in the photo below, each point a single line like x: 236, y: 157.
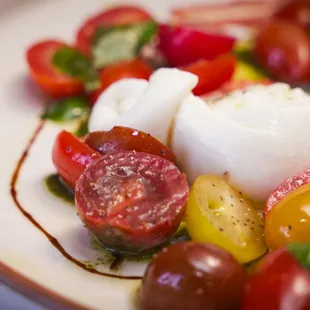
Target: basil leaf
x: 121, y: 43
x: 92, y: 80
x: 72, y: 62
x: 66, y: 109
x: 82, y: 129
x: 301, y: 251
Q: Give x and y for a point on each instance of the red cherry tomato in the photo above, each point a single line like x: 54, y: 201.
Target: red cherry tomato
x: 212, y: 74
x: 123, y: 69
x: 120, y: 15
x: 280, y: 283
x: 283, y: 48
x: 182, y: 45
x: 128, y: 139
x: 297, y: 11
x: 71, y: 157
x: 51, y: 81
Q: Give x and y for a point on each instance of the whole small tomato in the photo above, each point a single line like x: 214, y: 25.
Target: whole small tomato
x: 192, y: 276
x: 282, y: 281
x: 283, y: 48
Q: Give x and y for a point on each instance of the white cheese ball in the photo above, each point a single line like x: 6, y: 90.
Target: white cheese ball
x: 260, y: 136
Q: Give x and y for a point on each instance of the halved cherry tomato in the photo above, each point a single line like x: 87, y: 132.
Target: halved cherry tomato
x: 120, y: 15
x: 283, y: 48
x: 287, y: 212
x: 51, y: 81
x: 128, y: 139
x: 71, y: 157
x: 120, y: 70
x: 212, y: 74
x: 281, y: 282
x: 217, y: 213
x: 182, y: 45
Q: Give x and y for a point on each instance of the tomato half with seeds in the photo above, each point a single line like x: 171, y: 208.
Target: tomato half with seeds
x: 49, y: 79
x: 116, y: 16
x: 217, y: 213
x: 129, y: 139
x: 131, y: 201
x: 124, y: 69
x: 281, y: 282
x: 71, y: 156
x: 287, y: 212
x: 212, y: 74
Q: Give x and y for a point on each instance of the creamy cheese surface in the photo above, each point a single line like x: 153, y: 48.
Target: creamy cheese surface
x: 258, y: 137
x: 147, y: 106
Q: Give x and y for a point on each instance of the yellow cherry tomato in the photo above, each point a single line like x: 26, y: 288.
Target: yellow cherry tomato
x: 218, y: 214
x: 289, y: 220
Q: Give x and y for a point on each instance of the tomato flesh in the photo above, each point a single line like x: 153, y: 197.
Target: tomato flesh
x: 50, y: 80
x: 212, y: 74
x: 218, y: 214
x: 117, y: 16
x: 71, y: 157
x: 289, y: 220
x: 280, y: 283
x: 129, y: 139
x: 124, y: 69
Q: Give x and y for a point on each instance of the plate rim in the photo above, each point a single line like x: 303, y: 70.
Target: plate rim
x: 34, y: 291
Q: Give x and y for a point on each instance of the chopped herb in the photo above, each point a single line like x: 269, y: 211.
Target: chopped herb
x: 121, y: 43
x: 66, y: 109
x: 301, y: 251
x: 72, y: 62
x: 82, y: 129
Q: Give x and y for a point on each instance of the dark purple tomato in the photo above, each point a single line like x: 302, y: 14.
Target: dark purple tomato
x: 192, y: 276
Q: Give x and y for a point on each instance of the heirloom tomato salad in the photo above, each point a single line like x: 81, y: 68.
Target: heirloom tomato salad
x: 198, y: 124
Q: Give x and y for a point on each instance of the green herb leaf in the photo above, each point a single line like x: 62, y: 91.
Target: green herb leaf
x: 301, y: 251
x: 66, y: 109
x: 82, y: 129
x: 72, y: 62
x: 122, y: 43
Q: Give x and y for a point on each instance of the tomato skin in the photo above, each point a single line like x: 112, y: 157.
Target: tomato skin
x: 123, y: 69
x: 274, y: 285
x: 297, y: 11
x: 124, y: 138
x: 116, y: 16
x: 51, y: 81
x: 182, y: 45
x: 275, y: 52
x: 71, y: 157
x: 212, y: 74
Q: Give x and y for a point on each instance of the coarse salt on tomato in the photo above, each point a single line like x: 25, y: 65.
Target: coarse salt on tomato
x: 132, y: 201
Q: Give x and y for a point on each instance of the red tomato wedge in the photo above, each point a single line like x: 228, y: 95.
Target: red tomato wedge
x: 123, y: 69
x: 50, y: 80
x: 212, y: 74
x: 124, y: 138
x: 182, y: 45
x: 71, y: 157
x: 119, y: 15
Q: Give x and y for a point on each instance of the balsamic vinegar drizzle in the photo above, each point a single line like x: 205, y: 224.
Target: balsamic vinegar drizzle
x: 51, y: 239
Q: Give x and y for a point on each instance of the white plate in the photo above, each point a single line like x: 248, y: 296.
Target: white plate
x: 30, y: 261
